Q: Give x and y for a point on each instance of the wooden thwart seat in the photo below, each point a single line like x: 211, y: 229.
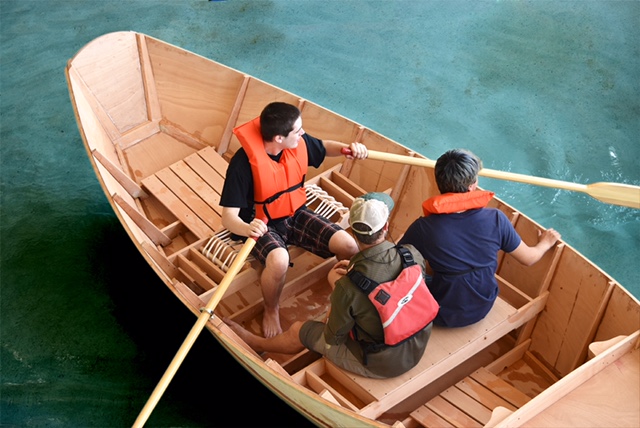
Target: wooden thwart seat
x: 447, y: 349
x: 190, y: 190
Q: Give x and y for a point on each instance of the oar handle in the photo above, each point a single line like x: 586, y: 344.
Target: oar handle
x: 207, y: 312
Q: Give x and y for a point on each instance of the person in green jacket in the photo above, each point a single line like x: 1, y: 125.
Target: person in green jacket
x: 353, y: 337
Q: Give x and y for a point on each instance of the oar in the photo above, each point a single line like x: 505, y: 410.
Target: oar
x: 207, y: 312
x: 625, y: 195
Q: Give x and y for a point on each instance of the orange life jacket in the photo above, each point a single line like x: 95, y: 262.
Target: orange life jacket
x: 453, y: 202
x: 278, y: 187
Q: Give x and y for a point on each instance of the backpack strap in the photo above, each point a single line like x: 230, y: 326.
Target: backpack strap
x: 406, y: 257
x: 367, y: 285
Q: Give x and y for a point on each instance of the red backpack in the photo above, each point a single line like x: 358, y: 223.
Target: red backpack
x: 405, y: 304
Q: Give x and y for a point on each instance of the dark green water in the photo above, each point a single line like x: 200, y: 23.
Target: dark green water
x: 549, y: 89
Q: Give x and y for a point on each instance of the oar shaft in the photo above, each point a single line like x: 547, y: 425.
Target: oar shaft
x: 528, y: 179
x: 625, y: 195
x: 195, y: 331
x: 491, y: 173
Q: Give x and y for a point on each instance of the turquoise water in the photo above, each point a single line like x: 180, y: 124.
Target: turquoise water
x: 549, y: 89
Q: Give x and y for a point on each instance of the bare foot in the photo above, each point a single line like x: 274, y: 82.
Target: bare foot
x: 271, y: 323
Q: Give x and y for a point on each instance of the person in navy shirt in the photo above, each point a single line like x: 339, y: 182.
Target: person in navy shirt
x: 460, y: 242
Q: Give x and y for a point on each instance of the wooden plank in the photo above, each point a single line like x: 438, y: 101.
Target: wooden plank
x: 189, y: 296
x: 346, y: 184
x: 204, y: 169
x: 125, y: 181
x: 511, y: 294
x: 622, y: 315
x: 199, y: 186
x: 342, y: 196
x: 327, y: 395
x: 210, y: 176
x: 525, y: 332
x: 137, y: 134
x: 515, y: 354
x: 149, y: 229
x: 194, y: 272
x: 577, y: 290
x: 579, y: 357
x: 347, y: 165
x: 223, y: 146
x: 529, y: 279
x: 483, y: 394
x: 208, y: 90
x: 429, y: 419
x: 498, y: 415
x: 103, y: 119
x: 177, y: 207
x: 149, y: 82
x: 167, y: 268
x: 190, y: 198
x: 116, y: 82
x: 450, y: 413
x: 500, y: 387
x: 277, y: 367
x: 397, y: 189
x: 212, y: 270
x: 316, y: 383
x: 178, y: 134
x: 216, y: 161
x: 467, y: 404
x: 540, y: 369
x: 597, y: 348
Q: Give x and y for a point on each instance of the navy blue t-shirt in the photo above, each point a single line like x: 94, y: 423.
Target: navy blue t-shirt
x: 462, y: 249
x: 237, y: 191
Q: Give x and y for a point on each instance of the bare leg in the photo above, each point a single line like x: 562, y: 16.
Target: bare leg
x: 286, y: 343
x: 343, y: 245
x: 272, y: 280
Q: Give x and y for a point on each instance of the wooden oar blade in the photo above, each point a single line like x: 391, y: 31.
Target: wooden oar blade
x: 625, y: 195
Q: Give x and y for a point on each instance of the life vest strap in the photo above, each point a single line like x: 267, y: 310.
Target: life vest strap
x: 367, y: 285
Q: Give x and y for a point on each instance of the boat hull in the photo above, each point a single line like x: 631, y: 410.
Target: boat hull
x: 157, y: 124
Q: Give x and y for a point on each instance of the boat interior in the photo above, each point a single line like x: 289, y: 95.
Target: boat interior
x: 161, y: 142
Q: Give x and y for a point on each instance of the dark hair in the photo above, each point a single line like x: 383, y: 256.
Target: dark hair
x: 456, y: 170
x: 366, y: 239
x: 278, y: 119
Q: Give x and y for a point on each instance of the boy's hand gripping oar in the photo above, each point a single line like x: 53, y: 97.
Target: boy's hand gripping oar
x: 625, y: 195
x: 207, y: 312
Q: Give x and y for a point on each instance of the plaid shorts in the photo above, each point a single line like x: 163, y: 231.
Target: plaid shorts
x: 304, y: 229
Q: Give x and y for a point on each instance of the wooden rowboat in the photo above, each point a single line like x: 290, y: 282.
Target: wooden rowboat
x: 559, y: 348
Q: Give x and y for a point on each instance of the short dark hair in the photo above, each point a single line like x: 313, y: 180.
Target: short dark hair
x: 366, y: 239
x: 278, y: 119
x: 456, y: 170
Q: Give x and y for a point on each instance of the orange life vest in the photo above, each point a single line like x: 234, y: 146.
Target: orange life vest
x: 278, y: 187
x: 453, y: 202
